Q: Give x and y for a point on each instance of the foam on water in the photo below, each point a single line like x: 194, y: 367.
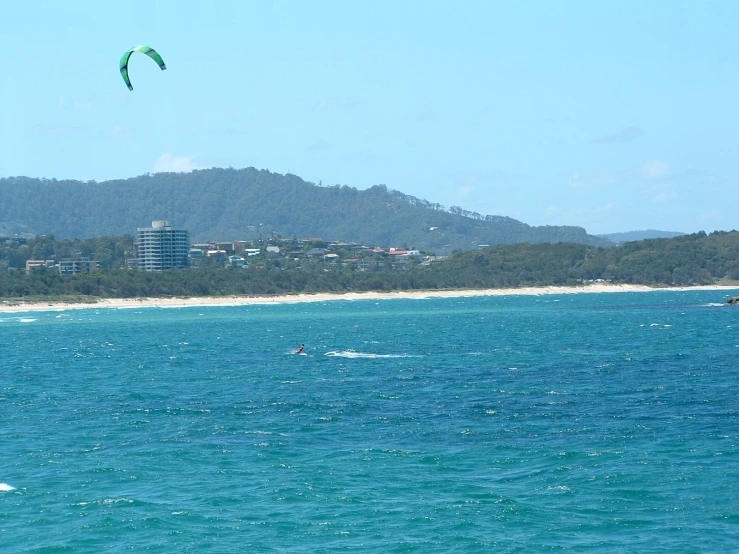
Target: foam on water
x: 354, y: 354
x: 4, y: 487
x: 17, y: 319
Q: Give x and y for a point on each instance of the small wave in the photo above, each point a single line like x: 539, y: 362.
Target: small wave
x: 353, y: 354
x: 4, y: 487
x: 17, y: 319
x: 109, y: 501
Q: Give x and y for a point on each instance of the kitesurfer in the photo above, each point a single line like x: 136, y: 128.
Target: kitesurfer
x: 300, y: 349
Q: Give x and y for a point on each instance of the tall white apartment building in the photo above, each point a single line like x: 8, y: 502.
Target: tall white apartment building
x: 160, y: 247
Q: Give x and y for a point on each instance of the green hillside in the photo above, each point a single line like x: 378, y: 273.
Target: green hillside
x: 230, y: 204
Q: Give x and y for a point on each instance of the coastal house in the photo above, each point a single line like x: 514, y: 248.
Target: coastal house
x: 404, y: 254
x: 236, y: 261
x: 315, y: 252
x: 357, y: 264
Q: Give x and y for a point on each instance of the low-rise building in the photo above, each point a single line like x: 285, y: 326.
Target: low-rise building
x: 236, y: 261
x: 70, y: 266
x: 316, y: 252
x: 404, y: 254
x: 34, y: 264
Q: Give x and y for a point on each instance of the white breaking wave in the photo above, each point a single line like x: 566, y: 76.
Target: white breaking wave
x: 353, y: 354
x: 4, y: 487
x: 17, y: 319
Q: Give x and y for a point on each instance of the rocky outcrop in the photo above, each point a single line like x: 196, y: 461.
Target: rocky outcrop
x: 734, y: 300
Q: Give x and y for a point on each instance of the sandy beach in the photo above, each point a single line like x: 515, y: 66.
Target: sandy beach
x: 10, y: 307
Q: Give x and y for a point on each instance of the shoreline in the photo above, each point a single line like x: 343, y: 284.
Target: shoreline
x: 210, y: 301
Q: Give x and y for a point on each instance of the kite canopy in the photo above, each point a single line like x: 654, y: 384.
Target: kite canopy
x: 144, y: 50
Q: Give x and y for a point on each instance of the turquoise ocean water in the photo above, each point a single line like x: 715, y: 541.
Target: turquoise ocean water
x: 558, y: 423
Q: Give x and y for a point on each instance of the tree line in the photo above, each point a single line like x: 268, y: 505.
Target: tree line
x: 697, y: 259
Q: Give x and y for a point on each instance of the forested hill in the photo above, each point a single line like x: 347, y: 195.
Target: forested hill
x: 230, y: 204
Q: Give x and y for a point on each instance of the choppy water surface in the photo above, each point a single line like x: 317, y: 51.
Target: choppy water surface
x: 589, y: 422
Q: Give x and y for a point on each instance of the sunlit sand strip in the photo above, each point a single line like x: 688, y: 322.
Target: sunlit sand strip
x: 6, y: 306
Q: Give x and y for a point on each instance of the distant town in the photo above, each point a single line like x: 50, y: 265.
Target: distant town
x: 139, y: 265
x: 162, y: 247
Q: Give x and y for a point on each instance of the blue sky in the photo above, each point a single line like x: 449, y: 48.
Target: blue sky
x: 614, y: 116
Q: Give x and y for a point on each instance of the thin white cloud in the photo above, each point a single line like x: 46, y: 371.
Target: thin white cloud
x: 629, y: 134
x: 82, y: 105
x: 582, y: 179
x: 611, y: 206
x: 118, y: 133
x: 319, y: 146
x: 167, y: 163
x: 497, y: 179
x: 78, y: 105
x: 587, y: 211
x: 654, y: 169
x: 465, y: 190
x: 660, y: 198
x: 659, y: 193
x: 715, y: 217
x: 57, y: 130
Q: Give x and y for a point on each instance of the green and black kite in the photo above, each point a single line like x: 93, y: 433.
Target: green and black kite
x: 144, y: 50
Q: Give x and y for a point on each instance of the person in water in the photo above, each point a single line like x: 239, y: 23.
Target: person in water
x: 300, y: 349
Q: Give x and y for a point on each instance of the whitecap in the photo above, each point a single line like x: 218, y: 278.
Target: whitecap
x: 354, y: 354
x: 4, y: 487
x: 28, y: 319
